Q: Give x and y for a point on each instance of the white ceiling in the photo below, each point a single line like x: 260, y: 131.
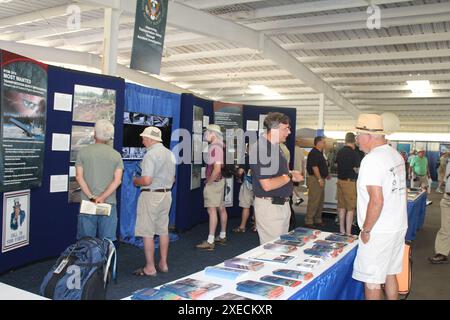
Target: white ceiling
x: 300, y: 48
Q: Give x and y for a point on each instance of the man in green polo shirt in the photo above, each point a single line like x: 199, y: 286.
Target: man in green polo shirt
x: 419, y: 168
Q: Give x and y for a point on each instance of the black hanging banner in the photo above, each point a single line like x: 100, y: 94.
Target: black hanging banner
x: 23, y: 116
x: 149, y: 31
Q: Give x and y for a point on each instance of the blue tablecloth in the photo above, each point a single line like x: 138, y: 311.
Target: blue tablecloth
x: 336, y: 283
x: 416, y: 215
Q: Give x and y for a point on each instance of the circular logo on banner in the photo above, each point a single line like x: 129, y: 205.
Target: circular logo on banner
x: 153, y: 11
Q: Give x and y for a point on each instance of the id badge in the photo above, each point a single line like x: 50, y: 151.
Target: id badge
x: 61, y: 266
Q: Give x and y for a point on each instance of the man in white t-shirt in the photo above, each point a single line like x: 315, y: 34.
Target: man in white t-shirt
x: 382, y: 211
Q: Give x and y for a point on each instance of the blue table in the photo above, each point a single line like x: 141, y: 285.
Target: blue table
x: 336, y: 283
x: 416, y: 215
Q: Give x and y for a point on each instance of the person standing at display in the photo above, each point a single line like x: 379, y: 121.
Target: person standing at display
x: 347, y: 161
x: 272, y: 180
x: 382, y: 211
x: 156, y: 181
x: 246, y: 195
x: 317, y: 168
x: 442, y: 243
x: 299, y: 165
x: 213, y: 193
x: 99, y: 170
x: 441, y: 171
x: 419, y: 167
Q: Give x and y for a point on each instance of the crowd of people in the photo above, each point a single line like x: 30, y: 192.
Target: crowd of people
x: 371, y: 183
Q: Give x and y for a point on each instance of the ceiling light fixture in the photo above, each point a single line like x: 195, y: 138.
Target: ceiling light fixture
x: 261, y: 89
x: 420, y: 87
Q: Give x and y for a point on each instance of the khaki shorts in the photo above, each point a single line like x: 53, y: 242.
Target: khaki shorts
x: 421, y: 181
x: 153, y: 214
x: 246, y: 196
x: 213, y: 194
x: 346, y: 194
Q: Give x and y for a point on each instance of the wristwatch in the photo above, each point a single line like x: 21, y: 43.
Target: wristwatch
x: 290, y: 175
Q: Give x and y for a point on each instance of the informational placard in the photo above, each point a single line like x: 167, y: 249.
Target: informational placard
x: 252, y: 125
x: 23, y: 118
x: 62, y: 102
x: 228, y: 195
x: 16, y: 220
x: 59, y: 183
x: 149, y: 32
x: 60, y: 142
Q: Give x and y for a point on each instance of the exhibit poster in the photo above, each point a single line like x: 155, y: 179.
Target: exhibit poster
x: 230, y: 118
x: 197, y: 148
x: 196, y: 173
x: 228, y: 195
x: 91, y: 104
x: 81, y: 136
x: 74, y: 187
x: 16, y: 220
x: 444, y: 147
x: 23, y: 118
x: 148, y: 38
x: 197, y: 119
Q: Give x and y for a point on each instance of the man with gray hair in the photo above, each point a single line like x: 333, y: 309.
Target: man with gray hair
x: 382, y: 213
x: 272, y: 180
x: 99, y: 171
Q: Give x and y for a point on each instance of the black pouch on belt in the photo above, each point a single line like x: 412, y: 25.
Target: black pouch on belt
x: 278, y: 200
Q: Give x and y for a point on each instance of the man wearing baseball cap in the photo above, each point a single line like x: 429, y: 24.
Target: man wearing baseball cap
x: 156, y: 180
x: 382, y: 211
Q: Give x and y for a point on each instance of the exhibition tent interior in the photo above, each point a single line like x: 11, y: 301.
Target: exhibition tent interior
x: 328, y: 60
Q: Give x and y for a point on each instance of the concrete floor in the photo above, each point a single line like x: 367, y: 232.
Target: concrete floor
x: 429, y: 282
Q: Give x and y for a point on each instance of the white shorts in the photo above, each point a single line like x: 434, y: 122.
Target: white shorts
x: 380, y: 257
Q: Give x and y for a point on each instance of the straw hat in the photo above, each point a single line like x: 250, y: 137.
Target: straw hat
x: 370, y: 123
x: 152, y: 133
x: 214, y: 128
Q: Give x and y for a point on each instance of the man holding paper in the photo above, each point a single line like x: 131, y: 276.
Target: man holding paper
x: 156, y: 180
x: 99, y: 171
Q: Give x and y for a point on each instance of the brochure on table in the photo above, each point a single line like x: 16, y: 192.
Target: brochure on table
x: 229, y: 286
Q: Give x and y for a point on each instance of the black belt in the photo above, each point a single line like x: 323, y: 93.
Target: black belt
x: 271, y: 198
x: 352, y: 180
x: 156, y: 190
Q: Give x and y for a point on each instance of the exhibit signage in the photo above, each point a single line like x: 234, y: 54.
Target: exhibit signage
x: 23, y: 120
x: 149, y: 32
x: 16, y: 220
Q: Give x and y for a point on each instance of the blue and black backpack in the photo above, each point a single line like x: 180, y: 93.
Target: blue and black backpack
x: 82, y: 271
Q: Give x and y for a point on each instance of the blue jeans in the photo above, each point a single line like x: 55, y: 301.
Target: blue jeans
x: 98, y: 226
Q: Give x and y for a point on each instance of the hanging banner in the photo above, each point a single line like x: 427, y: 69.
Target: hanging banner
x: 149, y: 31
x: 23, y: 105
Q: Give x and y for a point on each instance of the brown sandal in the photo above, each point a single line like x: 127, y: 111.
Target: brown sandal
x: 141, y: 273
x: 238, y: 230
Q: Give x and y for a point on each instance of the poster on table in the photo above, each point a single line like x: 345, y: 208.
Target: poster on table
x: 16, y: 220
x: 92, y: 103
x: 228, y: 195
x: 23, y: 118
x: 148, y: 38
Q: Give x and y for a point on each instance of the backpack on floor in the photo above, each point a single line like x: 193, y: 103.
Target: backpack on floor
x: 404, y: 278
x: 82, y: 271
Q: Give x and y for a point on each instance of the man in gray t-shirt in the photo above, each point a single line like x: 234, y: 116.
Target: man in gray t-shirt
x: 99, y: 170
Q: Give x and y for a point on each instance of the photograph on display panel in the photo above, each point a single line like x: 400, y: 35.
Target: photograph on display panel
x: 81, y: 136
x: 133, y: 125
x: 16, y: 220
x: 91, y: 104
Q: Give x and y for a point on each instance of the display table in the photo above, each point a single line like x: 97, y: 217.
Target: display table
x: 332, y: 278
x: 416, y: 215
x: 8, y: 292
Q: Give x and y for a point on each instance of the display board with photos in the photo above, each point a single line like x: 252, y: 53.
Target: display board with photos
x: 276, y: 270
x: 134, y: 124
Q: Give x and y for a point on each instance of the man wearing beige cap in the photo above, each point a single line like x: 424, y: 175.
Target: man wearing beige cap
x: 214, y: 190
x: 156, y: 180
x: 382, y: 212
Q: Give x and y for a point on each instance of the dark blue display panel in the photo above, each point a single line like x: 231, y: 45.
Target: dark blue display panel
x: 53, y: 220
